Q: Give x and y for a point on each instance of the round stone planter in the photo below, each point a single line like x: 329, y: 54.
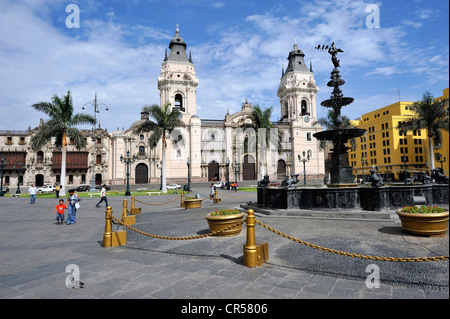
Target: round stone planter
x: 192, y: 203
x: 221, y: 222
x: 432, y: 224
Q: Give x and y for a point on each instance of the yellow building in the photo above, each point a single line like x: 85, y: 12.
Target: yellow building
x: 441, y: 152
x: 383, y: 146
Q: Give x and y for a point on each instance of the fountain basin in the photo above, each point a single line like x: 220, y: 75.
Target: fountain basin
x: 358, y: 198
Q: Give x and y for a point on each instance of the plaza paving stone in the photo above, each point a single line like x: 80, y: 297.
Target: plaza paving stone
x: 35, y: 252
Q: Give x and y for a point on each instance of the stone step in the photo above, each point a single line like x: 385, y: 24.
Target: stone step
x: 387, y: 216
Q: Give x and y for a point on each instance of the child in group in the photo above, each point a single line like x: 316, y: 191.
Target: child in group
x: 59, y: 211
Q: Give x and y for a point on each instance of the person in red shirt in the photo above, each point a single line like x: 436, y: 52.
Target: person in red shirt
x: 59, y: 211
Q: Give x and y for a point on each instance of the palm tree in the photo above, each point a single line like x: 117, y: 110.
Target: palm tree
x: 331, y: 123
x: 60, y: 126
x: 430, y: 115
x: 260, y: 118
x: 166, y: 120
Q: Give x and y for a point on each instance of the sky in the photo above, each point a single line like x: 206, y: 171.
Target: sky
x: 393, y: 50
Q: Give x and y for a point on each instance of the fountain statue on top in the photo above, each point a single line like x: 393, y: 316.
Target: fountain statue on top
x: 341, y: 174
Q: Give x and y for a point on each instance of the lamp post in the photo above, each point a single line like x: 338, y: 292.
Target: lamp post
x: 189, y: 173
x: 128, y: 161
x: 441, y: 160
x: 3, y: 163
x: 363, y: 161
x: 19, y: 168
x: 228, y: 173
x: 236, y: 172
x: 405, y: 160
x: 159, y: 166
x: 96, y: 110
x: 304, y: 160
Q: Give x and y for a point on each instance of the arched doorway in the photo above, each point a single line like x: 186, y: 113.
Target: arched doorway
x: 281, y: 169
x: 141, y: 174
x: 39, y: 180
x: 98, y: 179
x: 213, y: 171
x: 249, y: 168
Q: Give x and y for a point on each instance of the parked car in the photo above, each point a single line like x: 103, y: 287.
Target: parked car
x: 275, y: 183
x: 47, y: 189
x: 218, y: 184
x: 83, y: 188
x: 5, y: 189
x: 99, y: 187
x: 173, y: 186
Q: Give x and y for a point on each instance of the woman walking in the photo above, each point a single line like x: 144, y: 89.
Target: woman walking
x: 72, y: 203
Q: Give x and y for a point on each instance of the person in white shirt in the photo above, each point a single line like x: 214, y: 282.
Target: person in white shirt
x: 32, y: 192
x: 103, y: 197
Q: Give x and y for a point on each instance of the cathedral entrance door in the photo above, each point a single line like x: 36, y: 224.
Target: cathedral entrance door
x: 141, y: 174
x: 249, y: 168
x: 39, y: 180
x: 213, y: 171
x: 281, y: 169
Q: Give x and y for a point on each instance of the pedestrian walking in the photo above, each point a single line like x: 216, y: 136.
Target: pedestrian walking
x: 72, y: 203
x: 32, y: 192
x: 57, y: 189
x: 59, y: 211
x: 212, y: 192
x: 103, y: 197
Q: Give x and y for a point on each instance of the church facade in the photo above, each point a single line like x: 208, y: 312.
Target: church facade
x: 218, y: 149
x: 204, y: 149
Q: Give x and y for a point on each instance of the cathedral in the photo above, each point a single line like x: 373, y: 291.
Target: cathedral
x: 206, y: 150
x: 212, y: 148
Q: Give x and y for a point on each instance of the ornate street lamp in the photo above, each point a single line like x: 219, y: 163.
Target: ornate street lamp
x: 228, y: 173
x: 441, y: 160
x: 159, y: 166
x: 3, y: 163
x: 19, y: 168
x: 128, y: 160
x: 363, y: 161
x: 405, y: 160
x: 189, y: 173
x: 236, y: 172
x: 96, y: 110
x: 304, y: 160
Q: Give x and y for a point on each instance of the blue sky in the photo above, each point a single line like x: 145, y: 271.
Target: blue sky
x: 238, y: 48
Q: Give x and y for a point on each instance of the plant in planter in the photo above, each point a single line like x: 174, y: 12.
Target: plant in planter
x: 192, y: 202
x: 424, y: 220
x: 225, y: 218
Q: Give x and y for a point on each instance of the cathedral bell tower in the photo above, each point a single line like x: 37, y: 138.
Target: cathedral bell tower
x: 297, y: 90
x: 177, y: 82
x: 297, y: 93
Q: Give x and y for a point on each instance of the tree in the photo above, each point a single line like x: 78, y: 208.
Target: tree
x: 166, y: 120
x: 260, y: 119
x: 61, y: 125
x: 430, y: 115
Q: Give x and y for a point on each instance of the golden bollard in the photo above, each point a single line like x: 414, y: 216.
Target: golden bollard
x: 255, y: 253
x: 216, y: 199
x: 108, y: 227
x: 134, y: 210
x: 112, y: 238
x: 127, y: 220
x: 182, y: 199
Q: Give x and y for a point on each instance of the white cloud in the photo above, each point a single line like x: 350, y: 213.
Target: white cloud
x: 412, y: 23
x: 218, y: 5
x: 385, y: 71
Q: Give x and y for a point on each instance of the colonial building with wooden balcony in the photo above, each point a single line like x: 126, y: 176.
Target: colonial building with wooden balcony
x: 43, y: 167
